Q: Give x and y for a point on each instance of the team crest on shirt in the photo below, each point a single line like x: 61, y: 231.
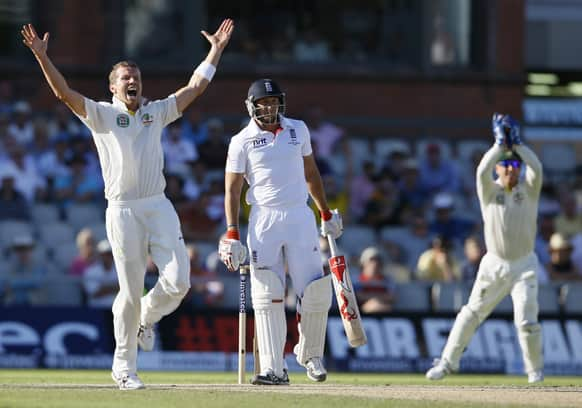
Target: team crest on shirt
x: 147, y: 119
x: 500, y: 198
x: 518, y: 197
x: 293, y: 137
x: 122, y: 120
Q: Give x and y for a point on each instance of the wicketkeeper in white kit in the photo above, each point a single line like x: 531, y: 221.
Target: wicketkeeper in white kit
x: 509, y: 207
x: 139, y: 218
x: 273, y: 154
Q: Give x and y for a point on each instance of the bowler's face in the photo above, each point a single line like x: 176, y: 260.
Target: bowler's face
x: 127, y: 86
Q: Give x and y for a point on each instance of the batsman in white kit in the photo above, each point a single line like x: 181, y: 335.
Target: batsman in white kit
x: 140, y: 220
x: 273, y: 154
x: 509, y: 207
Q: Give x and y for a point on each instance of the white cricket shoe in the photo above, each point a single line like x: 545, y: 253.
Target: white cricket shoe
x: 315, y: 369
x: 440, y: 368
x: 146, y: 337
x: 535, y: 377
x: 127, y: 382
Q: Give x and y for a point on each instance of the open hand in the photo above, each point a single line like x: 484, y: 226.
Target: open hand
x: 221, y: 37
x: 33, y: 41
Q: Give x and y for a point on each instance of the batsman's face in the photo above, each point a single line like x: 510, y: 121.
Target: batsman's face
x: 127, y: 86
x: 508, y: 175
x: 267, y: 109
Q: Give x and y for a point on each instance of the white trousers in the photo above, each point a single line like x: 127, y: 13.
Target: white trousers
x: 286, y: 237
x: 496, y: 279
x: 135, y: 229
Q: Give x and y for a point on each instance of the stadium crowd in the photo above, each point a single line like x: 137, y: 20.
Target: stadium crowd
x: 410, y: 211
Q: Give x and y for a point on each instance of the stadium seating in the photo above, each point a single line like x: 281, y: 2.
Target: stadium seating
x: 356, y: 238
x: 43, y: 213
x: 80, y: 215
x: 10, y: 229
x: 55, y: 233
x: 573, y: 302
x: 412, y: 297
x: 448, y: 297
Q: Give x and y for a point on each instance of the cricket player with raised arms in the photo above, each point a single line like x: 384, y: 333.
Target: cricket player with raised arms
x: 509, y: 206
x: 273, y: 154
x: 140, y: 220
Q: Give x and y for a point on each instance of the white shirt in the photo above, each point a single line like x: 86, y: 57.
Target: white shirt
x: 509, y: 216
x: 96, y: 277
x: 129, y: 145
x: 272, y: 164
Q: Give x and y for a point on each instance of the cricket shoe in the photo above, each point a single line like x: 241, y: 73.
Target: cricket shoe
x: 146, y: 337
x: 535, y: 377
x: 440, y: 368
x: 315, y: 369
x: 127, y: 382
x: 270, y: 379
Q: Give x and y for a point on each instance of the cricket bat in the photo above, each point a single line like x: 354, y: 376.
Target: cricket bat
x: 242, y: 323
x: 346, y: 297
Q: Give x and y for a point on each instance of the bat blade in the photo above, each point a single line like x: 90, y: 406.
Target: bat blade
x: 347, y: 302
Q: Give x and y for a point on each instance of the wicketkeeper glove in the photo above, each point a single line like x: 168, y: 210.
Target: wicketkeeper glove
x: 505, y: 130
x: 231, y: 251
x: 331, y: 223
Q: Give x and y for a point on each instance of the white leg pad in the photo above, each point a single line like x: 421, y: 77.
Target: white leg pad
x: 269, y: 306
x: 313, y: 308
x: 463, y: 330
x: 530, y: 340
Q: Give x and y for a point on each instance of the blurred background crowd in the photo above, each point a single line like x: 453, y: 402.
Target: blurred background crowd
x: 398, y: 161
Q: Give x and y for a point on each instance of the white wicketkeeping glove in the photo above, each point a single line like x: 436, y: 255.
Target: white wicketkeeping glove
x: 334, y: 226
x: 232, y: 253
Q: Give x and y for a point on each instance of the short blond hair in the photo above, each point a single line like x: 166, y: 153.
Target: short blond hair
x: 125, y: 63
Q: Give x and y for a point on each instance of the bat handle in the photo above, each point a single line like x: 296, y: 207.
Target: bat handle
x: 332, y: 245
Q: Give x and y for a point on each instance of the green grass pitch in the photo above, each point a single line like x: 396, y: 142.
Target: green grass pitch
x: 94, y: 388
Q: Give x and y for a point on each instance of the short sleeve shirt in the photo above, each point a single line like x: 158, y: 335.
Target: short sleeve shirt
x: 129, y: 145
x: 272, y: 164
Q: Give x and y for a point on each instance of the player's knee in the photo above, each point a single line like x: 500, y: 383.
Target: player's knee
x: 528, y: 327
x: 469, y: 316
x: 317, y: 295
x: 266, y: 289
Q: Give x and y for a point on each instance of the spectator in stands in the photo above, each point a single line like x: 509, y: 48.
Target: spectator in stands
x: 414, y: 198
x: 13, y: 205
x: 337, y: 197
x: 561, y: 265
x: 569, y: 221
x: 394, y: 164
x: 442, y: 49
x: 474, y: 250
x: 100, y: 279
x: 436, y: 174
x: 179, y: 152
x: 206, y: 288
x: 87, y: 253
x: 385, y: 206
x: 81, y: 185
x: 415, y: 240
x: 22, y: 128
x: 374, y: 289
x: 438, y: 263
x: 6, y: 97
x: 64, y: 125
x: 27, y: 178
x: 362, y: 187
x: 175, y: 189
x: 53, y: 162
x: 194, y: 127
x: 311, y: 47
x: 213, y: 151
x: 196, y: 222
x: 445, y: 223
x: 26, y: 276
x: 325, y: 134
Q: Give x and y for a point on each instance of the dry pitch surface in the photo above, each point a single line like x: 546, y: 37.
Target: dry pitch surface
x: 371, y: 390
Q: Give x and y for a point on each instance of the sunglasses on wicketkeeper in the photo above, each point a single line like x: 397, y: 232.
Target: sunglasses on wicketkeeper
x: 510, y: 162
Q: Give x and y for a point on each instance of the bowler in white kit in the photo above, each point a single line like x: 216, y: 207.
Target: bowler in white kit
x: 140, y: 220
x: 273, y: 154
x: 509, y: 208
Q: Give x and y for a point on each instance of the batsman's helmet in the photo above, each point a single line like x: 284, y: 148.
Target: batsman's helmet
x: 264, y: 88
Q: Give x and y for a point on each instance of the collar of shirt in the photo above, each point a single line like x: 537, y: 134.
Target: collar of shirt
x: 256, y: 130
x: 119, y: 104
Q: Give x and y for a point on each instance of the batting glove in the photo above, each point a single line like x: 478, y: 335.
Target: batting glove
x: 232, y: 253
x: 331, y: 223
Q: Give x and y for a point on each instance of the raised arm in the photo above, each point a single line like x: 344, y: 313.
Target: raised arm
x: 533, y: 172
x: 485, y: 183
x: 74, y: 100
x: 205, y: 71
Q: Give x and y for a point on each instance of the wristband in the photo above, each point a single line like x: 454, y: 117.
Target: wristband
x: 233, y: 234
x: 326, y: 215
x: 205, y: 70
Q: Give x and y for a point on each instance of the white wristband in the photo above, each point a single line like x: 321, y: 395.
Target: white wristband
x: 206, y: 70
